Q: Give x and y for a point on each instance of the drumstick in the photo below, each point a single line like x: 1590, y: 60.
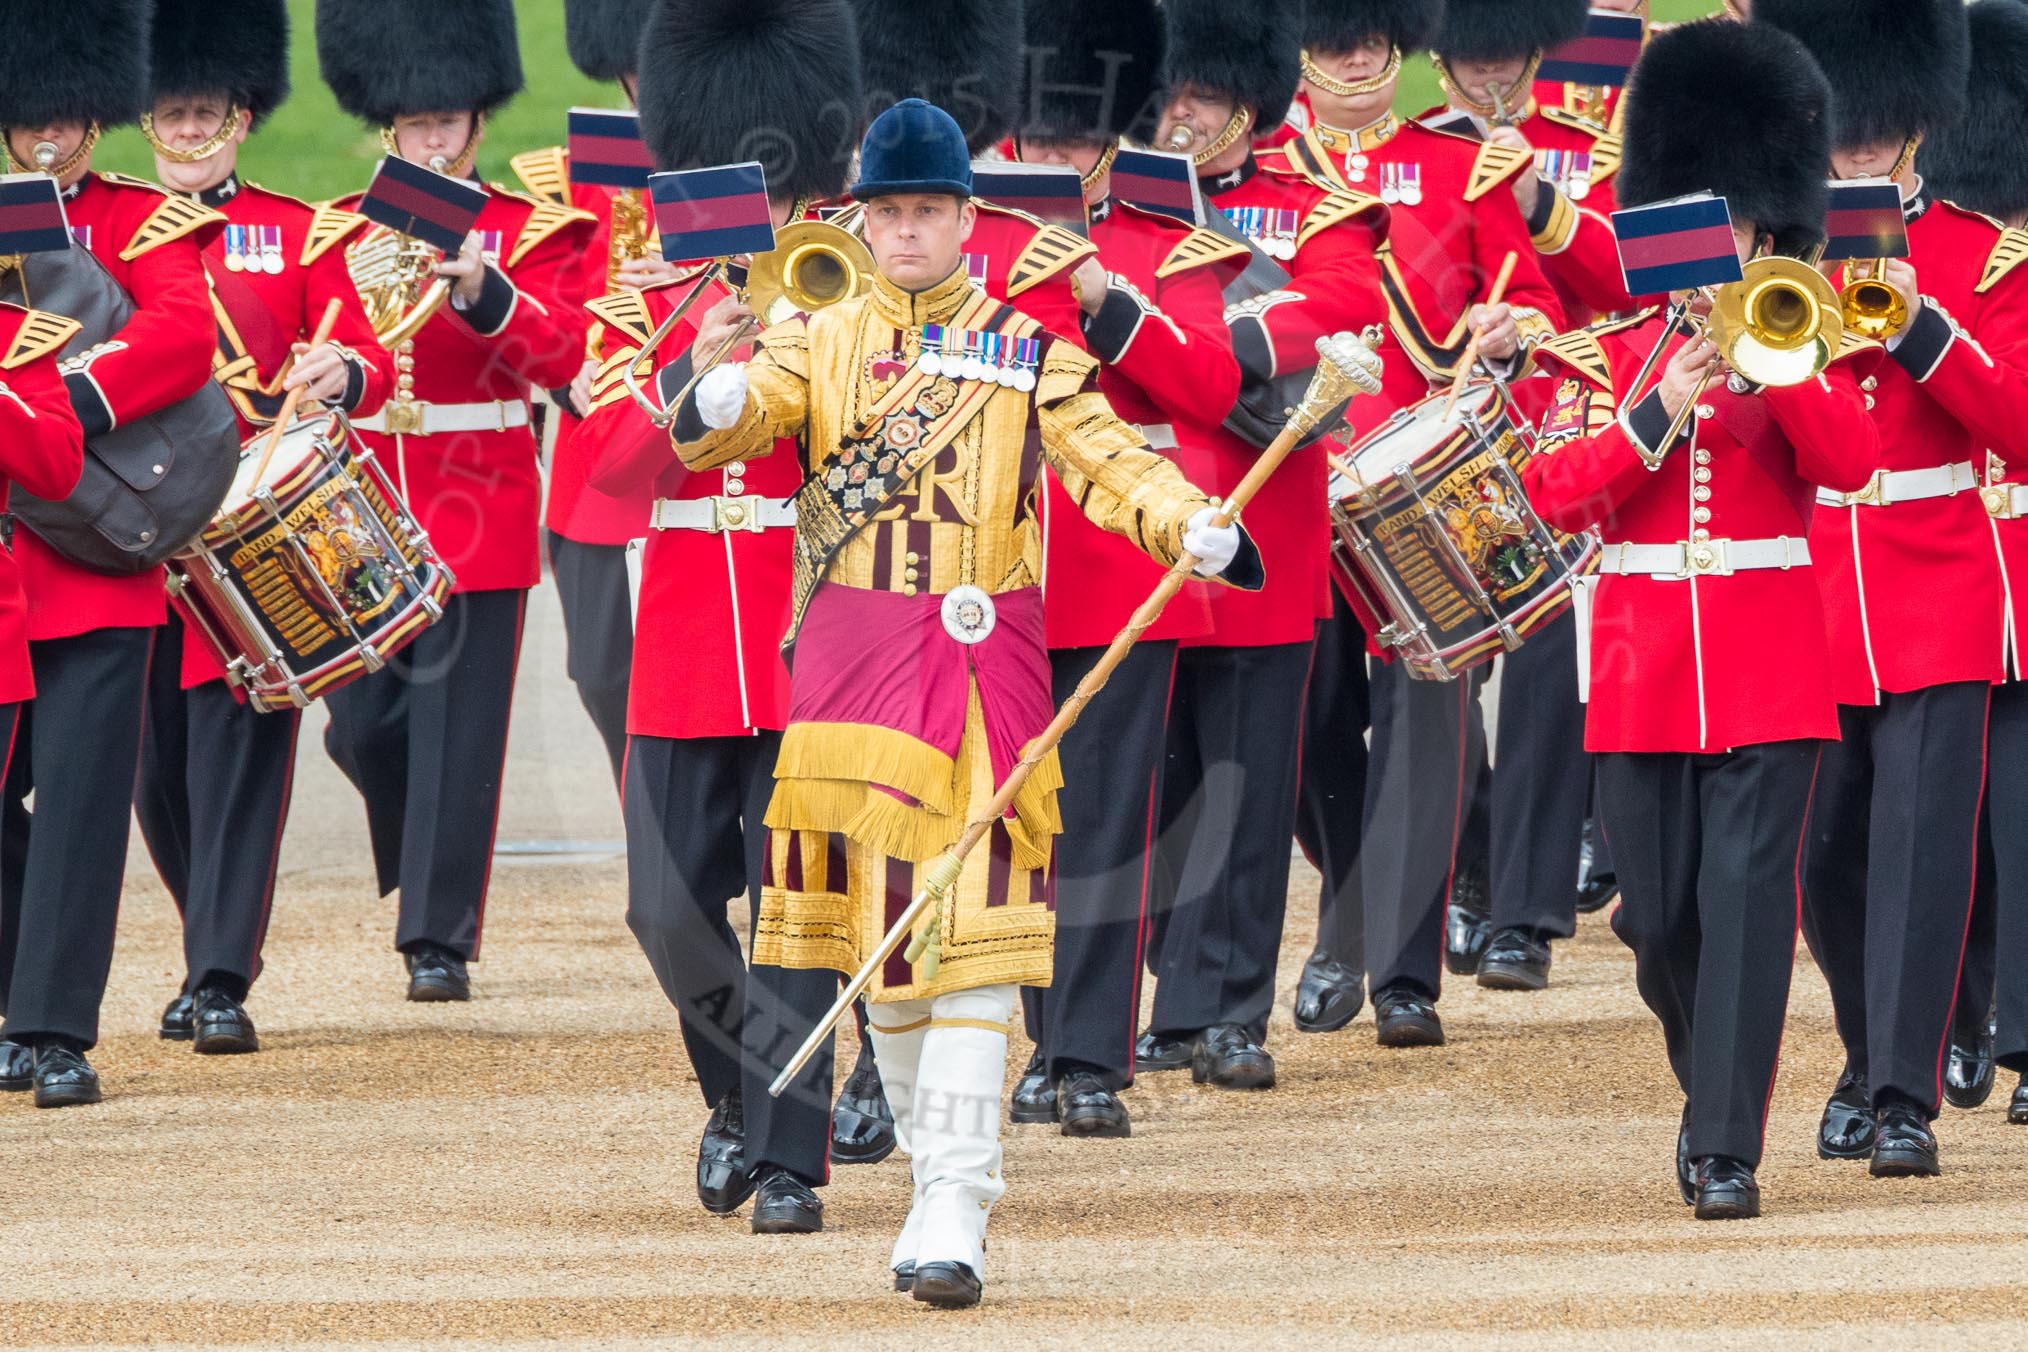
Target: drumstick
x: 1472, y: 348
x: 288, y: 413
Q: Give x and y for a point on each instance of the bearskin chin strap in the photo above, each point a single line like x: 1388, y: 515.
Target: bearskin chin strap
x: 1098, y: 171
x: 1235, y: 127
x: 457, y: 168
x: 212, y: 144
x: 1339, y: 89
x: 77, y: 157
x: 1454, y: 90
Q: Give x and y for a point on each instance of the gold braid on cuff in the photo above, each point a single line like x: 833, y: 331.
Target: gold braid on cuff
x: 1339, y: 89
x: 212, y: 144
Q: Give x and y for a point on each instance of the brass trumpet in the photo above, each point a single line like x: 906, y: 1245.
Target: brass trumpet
x: 1872, y: 308
x: 394, y: 276
x: 813, y: 265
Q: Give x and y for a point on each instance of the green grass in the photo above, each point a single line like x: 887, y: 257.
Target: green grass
x: 314, y: 151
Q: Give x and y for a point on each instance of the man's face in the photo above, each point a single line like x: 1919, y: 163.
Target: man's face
x: 1477, y: 78
x: 1083, y: 156
x: 1875, y: 159
x: 423, y: 137
x: 185, y: 123
x: 1353, y: 67
x: 65, y: 136
x: 1745, y: 240
x: 1201, y: 113
x: 918, y: 238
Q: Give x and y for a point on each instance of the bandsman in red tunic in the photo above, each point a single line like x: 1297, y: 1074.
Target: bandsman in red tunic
x: 89, y: 634
x: 1914, y: 591
x: 215, y: 774
x: 425, y: 739
x: 1980, y: 162
x: 1236, y: 715
x: 1712, y: 692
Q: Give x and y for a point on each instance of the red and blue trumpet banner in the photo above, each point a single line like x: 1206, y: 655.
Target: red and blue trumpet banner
x: 1865, y: 220
x: 1156, y: 180
x: 31, y: 215
x: 606, y: 149
x: 713, y: 213
x: 1601, y: 55
x: 1677, y: 246
x: 435, y: 208
x: 1048, y: 192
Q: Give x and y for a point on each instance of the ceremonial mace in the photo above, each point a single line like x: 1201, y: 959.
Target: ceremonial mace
x: 1347, y: 366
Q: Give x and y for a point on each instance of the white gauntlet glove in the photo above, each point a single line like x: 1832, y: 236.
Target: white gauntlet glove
x: 721, y: 396
x: 1215, y: 547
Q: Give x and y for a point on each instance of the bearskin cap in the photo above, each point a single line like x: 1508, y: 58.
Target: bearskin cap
x: 964, y: 56
x: 385, y: 58
x: 604, y: 36
x: 1981, y: 160
x: 1251, y: 53
x: 1092, y: 69
x: 1896, y: 67
x: 1498, y: 30
x: 1341, y: 25
x: 1736, y: 109
x: 240, y: 47
x: 96, y: 70
x: 725, y: 81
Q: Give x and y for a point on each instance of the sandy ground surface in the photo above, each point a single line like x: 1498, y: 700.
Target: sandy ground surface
x: 519, y: 1170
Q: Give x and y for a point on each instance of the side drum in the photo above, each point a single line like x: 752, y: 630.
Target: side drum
x: 312, y: 577
x: 1435, y: 535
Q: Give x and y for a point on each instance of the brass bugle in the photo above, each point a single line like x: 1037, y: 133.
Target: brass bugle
x: 1779, y: 325
x: 45, y: 154
x: 1181, y: 137
x: 1871, y: 308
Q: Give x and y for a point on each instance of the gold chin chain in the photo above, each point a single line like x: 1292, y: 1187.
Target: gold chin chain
x: 1104, y: 166
x: 212, y: 144
x: 53, y: 169
x: 1907, y: 156
x: 1501, y: 112
x: 1339, y: 89
x: 457, y: 168
x: 1235, y: 127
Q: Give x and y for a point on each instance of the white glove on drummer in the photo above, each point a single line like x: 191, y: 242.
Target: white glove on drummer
x: 721, y: 396
x: 1215, y: 547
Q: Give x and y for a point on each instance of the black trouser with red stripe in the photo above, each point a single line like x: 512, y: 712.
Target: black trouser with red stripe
x: 1228, y: 810
x: 1707, y: 849
x: 212, y: 798
x: 424, y: 740
x: 62, y: 866
x: 1541, y: 784
x: 1888, y: 876
x: 695, y: 841
x: 1112, y: 772
x: 1331, y: 793
x: 598, y: 633
x: 2003, y: 882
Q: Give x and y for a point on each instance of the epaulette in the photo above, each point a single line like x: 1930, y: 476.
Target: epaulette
x: 173, y: 218
x: 2006, y: 256
x: 1301, y: 157
x: 623, y: 310
x: 328, y: 225
x: 266, y: 191
x: 1052, y: 251
x: 41, y: 334
x: 1201, y: 248
x: 1606, y: 150
x: 1335, y: 208
x: 545, y: 220
x: 545, y: 173
x: 1581, y: 350
x: 1495, y: 165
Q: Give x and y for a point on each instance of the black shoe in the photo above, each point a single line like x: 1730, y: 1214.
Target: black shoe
x: 862, y: 1125
x: 1158, y: 1051
x: 1685, y: 1180
x: 1406, y: 1018
x: 1515, y: 960
x: 1726, y: 1190
x: 723, y: 1180
x: 1034, y: 1095
x: 904, y: 1275
x: 223, y: 1026
x: 436, y: 974
x: 785, y: 1205
x: 948, y: 1286
x: 1225, y: 1056
x: 1088, y: 1108
x: 2017, y: 1106
x: 17, y: 1067
x: 1328, y: 996
x: 1848, y: 1129
x: 64, y: 1079
x: 1595, y: 891
x: 1906, y: 1147
x: 179, y: 1020
x: 1969, y: 1070
x: 1469, y: 925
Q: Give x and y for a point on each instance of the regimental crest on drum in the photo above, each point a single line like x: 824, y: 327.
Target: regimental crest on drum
x: 1478, y: 507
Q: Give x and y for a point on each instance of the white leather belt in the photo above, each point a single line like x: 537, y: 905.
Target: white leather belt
x: 1162, y: 436
x: 1888, y: 487
x: 1703, y: 558
x: 720, y: 514
x: 2006, y: 502
x: 420, y: 418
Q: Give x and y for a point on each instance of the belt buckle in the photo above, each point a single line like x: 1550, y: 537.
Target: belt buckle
x: 734, y: 514
x: 404, y: 417
x: 969, y: 614
x: 1999, y: 501
x: 1873, y: 495
x: 1705, y: 558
